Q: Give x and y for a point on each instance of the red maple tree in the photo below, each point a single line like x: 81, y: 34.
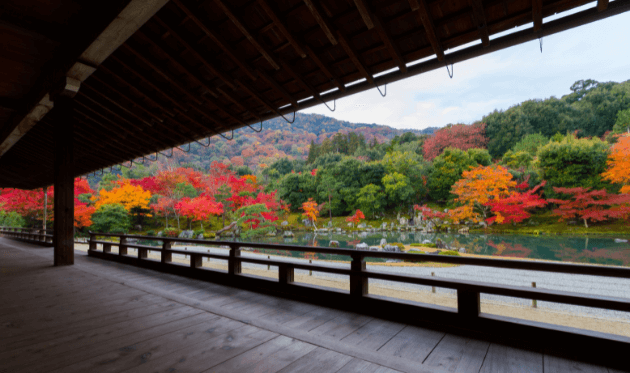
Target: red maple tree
x: 516, y: 207
x: 356, y: 218
x: 458, y: 136
x: 593, y: 205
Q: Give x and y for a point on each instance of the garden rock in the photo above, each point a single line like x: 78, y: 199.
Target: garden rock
x: 138, y: 227
x: 375, y: 248
x: 464, y: 230
x: 383, y: 241
x: 200, y: 236
x: 403, y: 221
x: 362, y: 246
x: 288, y: 234
x: 391, y: 249
x: 329, y: 224
x: 384, y: 226
x: 619, y: 240
x: 306, y: 222
x: 159, y: 234
x: 462, y: 250
x: 361, y: 226
x: 186, y: 234
x: 333, y: 244
x: 284, y: 223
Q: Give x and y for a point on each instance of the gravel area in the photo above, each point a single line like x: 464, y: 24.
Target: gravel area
x: 603, y: 286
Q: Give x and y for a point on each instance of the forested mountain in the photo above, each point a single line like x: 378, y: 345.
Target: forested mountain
x: 279, y: 139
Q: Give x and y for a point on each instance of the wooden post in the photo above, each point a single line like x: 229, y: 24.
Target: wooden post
x: 92, y: 245
x: 107, y: 247
x: 358, y: 283
x: 468, y: 303
x: 196, y: 261
x: 433, y: 287
x: 534, y: 301
x: 63, y: 134
x: 122, y: 247
x: 45, y: 207
x: 143, y: 253
x: 286, y: 274
x: 310, y: 272
x: 167, y: 256
x: 234, y: 266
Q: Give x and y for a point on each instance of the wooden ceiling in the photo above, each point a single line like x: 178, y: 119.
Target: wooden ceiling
x: 198, y: 68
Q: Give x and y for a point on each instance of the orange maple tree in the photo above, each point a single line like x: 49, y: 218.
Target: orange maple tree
x: 310, y: 210
x: 356, y: 218
x: 476, y: 188
x: 619, y: 163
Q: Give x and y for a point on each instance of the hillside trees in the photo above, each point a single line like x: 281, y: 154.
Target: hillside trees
x: 591, y: 205
x: 618, y: 164
x: 459, y: 136
x: 448, y: 167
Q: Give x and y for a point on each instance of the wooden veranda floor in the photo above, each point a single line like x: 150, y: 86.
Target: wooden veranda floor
x: 100, y: 316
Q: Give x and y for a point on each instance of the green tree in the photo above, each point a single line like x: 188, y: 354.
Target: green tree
x: 447, y: 168
x: 251, y: 217
x: 517, y: 160
x: 371, y: 199
x: 398, y: 189
x: 11, y: 219
x: 110, y: 217
x: 329, y: 193
x: 622, y: 124
x: 296, y: 189
x: 531, y: 143
x: 573, y: 163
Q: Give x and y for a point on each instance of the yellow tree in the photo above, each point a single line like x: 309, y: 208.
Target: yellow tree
x: 478, y: 187
x: 310, y: 211
x: 619, y: 163
x: 130, y: 196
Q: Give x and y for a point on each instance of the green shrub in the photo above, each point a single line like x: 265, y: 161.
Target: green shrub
x: 118, y: 230
x: 431, y: 245
x: 11, y: 219
x: 209, y: 235
x: 111, y: 218
x: 400, y: 246
x: 171, y: 232
x: 449, y: 252
x: 415, y: 252
x: 197, y: 233
x: 150, y: 233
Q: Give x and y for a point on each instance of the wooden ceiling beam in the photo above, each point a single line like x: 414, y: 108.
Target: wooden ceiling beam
x: 213, y: 69
x: 602, y: 5
x: 479, y: 17
x: 217, y: 40
x: 325, y: 68
x: 282, y: 27
x: 322, y: 20
x: 276, y: 86
x: 262, y: 49
x: 351, y: 52
x: 366, y: 13
x: 537, y: 10
x: 421, y: 11
x: 377, y: 22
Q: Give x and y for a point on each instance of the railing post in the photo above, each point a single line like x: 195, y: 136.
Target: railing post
x: 234, y: 266
x: 92, y: 244
x: 468, y: 303
x: 42, y: 235
x: 286, y: 274
x: 534, y: 301
x: 122, y: 246
x: 196, y: 261
x: 358, y: 283
x: 167, y: 256
x: 107, y: 247
x: 143, y: 253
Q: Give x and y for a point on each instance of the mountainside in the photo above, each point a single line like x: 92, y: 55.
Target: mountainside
x: 279, y: 139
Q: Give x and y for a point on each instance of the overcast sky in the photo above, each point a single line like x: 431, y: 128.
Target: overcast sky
x: 599, y: 51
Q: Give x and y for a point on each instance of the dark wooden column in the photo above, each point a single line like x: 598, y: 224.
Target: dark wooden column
x: 63, y: 240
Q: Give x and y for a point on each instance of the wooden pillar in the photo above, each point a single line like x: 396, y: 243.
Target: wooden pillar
x: 234, y: 266
x: 358, y: 283
x: 63, y: 240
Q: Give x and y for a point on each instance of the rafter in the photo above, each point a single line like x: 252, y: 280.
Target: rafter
x: 377, y: 22
x: 287, y: 96
x: 421, y: 11
x: 479, y: 17
x: 365, y: 13
x: 281, y: 26
x: 245, y: 31
x: 217, y: 40
x: 602, y: 5
x: 537, y: 14
x: 322, y: 20
x: 354, y: 57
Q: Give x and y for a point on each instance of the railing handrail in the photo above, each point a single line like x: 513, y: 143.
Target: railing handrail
x: 528, y: 265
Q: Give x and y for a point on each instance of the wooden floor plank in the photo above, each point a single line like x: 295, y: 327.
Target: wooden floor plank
x: 373, y: 335
x: 319, y: 360
x: 311, y: 319
x: 413, y: 343
x: 359, y: 366
x: 143, y: 353
x: 506, y: 359
x: 457, y: 354
x: 341, y: 326
x: 554, y: 364
x: 203, y: 356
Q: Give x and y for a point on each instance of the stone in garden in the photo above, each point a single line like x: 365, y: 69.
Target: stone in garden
x: 306, y: 222
x: 329, y: 224
x: 270, y: 234
x: 361, y: 226
x: 333, y: 244
x: 132, y: 240
x: 375, y: 248
x: 393, y: 261
x: 383, y: 241
x: 391, y: 225
x: 384, y: 226
x: 362, y: 246
x: 462, y: 250
x: 284, y: 223
x: 619, y: 240
x: 464, y: 230
x: 403, y: 221
x: 446, y: 211
x: 426, y: 242
x: 200, y: 236
x: 362, y: 235
x: 483, y: 224
x: 186, y: 234
x: 391, y: 248
x: 322, y: 230
x: 138, y: 227
x: 440, y: 244
x: 350, y: 225
x: 288, y: 234
x: 159, y: 234
x: 338, y: 230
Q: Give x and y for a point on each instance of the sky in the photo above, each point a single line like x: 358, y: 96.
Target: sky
x: 599, y: 51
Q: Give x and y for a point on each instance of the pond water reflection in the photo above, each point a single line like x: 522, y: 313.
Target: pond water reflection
x: 600, y: 250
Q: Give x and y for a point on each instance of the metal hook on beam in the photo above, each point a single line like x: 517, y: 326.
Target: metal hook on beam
x: 379, y: 90
x: 540, y: 40
x: 185, y: 151
x: 225, y: 137
x: 291, y: 122
x: 334, y: 104
x: 451, y: 71
x: 202, y: 144
x: 168, y: 156
x: 254, y: 129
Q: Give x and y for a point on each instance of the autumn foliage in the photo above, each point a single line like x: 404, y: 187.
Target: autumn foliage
x: 516, y: 207
x: 591, y: 205
x: 619, y: 164
x: 458, y: 136
x: 310, y: 210
x: 356, y: 218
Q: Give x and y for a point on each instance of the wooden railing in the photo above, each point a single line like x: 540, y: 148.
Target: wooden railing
x: 28, y: 234
x: 468, y: 314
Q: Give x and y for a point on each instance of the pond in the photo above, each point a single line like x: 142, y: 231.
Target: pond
x: 582, y: 249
